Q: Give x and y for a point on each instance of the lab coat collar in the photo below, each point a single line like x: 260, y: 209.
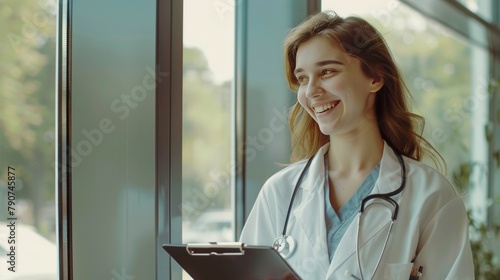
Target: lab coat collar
x: 389, y: 178
x: 317, y: 168
x: 390, y: 172
x: 309, y: 214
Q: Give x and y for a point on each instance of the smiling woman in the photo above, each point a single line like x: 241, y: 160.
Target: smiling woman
x: 363, y: 56
x: 356, y: 146
x: 334, y: 90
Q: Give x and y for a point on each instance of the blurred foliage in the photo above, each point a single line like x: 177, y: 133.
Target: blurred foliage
x: 27, y: 50
x: 482, y: 237
x: 206, y: 144
x: 485, y: 267
x: 27, y: 107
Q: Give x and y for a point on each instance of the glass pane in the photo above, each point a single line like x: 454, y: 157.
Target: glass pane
x: 28, y: 248
x: 113, y: 139
x: 207, y: 104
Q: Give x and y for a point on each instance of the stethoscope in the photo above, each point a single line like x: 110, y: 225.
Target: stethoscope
x: 286, y: 245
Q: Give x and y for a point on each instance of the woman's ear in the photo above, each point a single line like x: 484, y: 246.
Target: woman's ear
x: 377, y: 83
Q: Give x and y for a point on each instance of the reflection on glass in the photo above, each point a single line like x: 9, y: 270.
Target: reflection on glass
x: 28, y: 247
x: 206, y: 147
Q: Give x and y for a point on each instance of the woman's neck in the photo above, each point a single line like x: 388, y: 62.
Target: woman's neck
x: 349, y: 155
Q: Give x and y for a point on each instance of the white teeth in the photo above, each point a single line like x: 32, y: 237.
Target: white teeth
x: 323, y: 108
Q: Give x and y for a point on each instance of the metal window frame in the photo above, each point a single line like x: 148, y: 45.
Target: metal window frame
x: 239, y: 116
x: 63, y: 152
x: 169, y: 45
x: 496, y: 12
x: 460, y: 19
x: 313, y: 6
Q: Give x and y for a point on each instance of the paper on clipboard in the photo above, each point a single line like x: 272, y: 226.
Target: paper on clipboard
x: 231, y: 261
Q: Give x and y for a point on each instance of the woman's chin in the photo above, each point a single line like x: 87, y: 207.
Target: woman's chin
x: 326, y: 130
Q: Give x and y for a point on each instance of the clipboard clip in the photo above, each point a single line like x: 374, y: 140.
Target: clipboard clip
x: 216, y: 249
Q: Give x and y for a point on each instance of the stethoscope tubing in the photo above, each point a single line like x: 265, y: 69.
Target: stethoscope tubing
x: 294, y: 193
x: 386, y: 196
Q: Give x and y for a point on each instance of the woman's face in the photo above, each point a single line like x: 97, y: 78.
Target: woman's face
x: 334, y: 90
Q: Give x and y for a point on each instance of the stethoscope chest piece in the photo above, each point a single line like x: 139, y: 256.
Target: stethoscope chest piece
x: 285, y: 245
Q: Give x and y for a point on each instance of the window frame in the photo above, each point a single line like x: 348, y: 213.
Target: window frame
x: 460, y: 19
x: 63, y: 136
x: 169, y: 48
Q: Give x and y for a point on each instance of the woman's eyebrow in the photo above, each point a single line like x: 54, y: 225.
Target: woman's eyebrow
x: 320, y: 63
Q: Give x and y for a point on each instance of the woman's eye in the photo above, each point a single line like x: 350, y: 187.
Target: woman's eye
x: 327, y: 72
x: 302, y: 80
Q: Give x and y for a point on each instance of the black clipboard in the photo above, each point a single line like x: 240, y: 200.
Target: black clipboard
x: 231, y: 261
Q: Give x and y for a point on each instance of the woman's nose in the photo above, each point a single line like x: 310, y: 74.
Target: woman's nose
x: 313, y: 89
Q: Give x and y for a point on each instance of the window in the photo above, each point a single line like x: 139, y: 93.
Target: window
x: 207, y: 103
x: 208, y: 67
x: 27, y: 140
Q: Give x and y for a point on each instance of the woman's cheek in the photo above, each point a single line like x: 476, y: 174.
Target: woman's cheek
x: 301, y: 97
x: 335, y: 85
x: 303, y: 101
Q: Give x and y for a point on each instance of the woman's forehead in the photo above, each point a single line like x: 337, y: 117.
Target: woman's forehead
x: 320, y: 49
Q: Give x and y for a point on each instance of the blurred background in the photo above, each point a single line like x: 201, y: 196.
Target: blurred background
x: 232, y: 123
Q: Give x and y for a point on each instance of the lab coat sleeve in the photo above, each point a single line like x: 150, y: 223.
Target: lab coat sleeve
x: 260, y: 227
x: 444, y: 249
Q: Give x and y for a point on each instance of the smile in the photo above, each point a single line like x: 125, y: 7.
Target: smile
x: 326, y: 107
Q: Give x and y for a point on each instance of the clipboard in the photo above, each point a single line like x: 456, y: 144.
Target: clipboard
x: 231, y: 261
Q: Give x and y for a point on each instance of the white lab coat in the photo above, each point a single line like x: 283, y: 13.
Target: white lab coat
x: 431, y: 229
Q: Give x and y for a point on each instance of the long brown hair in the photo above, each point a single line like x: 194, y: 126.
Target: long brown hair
x: 400, y: 128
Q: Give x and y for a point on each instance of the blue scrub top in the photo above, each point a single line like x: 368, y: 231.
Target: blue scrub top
x: 337, y: 223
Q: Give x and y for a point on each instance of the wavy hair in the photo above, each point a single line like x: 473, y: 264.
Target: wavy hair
x: 399, y: 127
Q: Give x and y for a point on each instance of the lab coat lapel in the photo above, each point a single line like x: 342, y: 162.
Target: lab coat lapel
x: 310, y: 212
x: 376, y: 219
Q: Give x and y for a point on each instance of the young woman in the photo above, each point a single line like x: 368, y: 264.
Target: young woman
x: 356, y: 146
